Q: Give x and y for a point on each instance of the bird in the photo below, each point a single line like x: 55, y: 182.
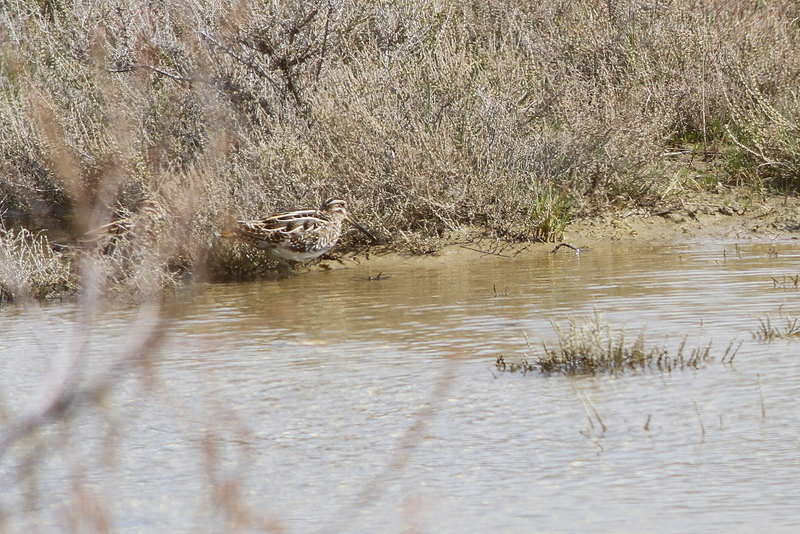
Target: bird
x: 297, y: 236
x: 145, y: 224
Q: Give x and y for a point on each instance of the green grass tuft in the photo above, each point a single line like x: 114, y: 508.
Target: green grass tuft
x: 592, y: 348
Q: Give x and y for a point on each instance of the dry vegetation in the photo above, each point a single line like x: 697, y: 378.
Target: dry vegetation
x: 509, y: 118
x: 768, y: 332
x: 131, y: 132
x: 28, y: 266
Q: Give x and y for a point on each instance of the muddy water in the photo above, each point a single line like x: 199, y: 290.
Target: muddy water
x: 334, y: 403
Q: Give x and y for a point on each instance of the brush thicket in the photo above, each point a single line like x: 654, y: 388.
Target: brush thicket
x: 508, y: 118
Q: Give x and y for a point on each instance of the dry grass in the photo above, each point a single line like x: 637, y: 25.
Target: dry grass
x: 30, y: 268
x: 512, y: 117
x: 768, y: 332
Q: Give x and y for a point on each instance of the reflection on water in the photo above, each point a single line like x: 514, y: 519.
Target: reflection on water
x: 329, y: 402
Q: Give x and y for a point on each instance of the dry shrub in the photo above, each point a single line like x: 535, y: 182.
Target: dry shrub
x: 508, y: 117
x: 30, y: 268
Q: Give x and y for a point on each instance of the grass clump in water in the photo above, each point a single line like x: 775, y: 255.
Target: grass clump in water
x: 768, y: 333
x: 593, y: 348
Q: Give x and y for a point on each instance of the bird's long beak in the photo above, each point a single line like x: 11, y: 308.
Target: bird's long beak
x: 358, y: 225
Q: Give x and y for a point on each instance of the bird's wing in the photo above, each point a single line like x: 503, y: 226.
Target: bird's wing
x: 289, y: 222
x: 279, y: 228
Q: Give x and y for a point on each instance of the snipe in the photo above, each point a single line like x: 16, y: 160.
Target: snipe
x: 298, y: 236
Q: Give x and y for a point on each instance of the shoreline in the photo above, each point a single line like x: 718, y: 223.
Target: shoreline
x: 708, y: 218
x: 705, y: 216
x: 733, y: 216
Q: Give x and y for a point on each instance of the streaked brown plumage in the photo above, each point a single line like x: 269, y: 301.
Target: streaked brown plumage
x: 147, y: 223
x: 297, y: 236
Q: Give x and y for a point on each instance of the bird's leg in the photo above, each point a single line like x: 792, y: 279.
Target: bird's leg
x: 284, y: 267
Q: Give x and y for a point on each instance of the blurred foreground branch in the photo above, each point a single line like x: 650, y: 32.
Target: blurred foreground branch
x: 62, y: 399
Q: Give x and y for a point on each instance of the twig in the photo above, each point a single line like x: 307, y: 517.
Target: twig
x: 249, y: 64
x: 157, y: 71
x: 596, y: 414
x: 567, y: 245
x: 324, y: 47
x: 488, y: 252
x: 523, y: 249
x: 586, y: 409
x: 730, y: 352
x: 700, y: 418
x: 583, y: 402
x: 703, y: 80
